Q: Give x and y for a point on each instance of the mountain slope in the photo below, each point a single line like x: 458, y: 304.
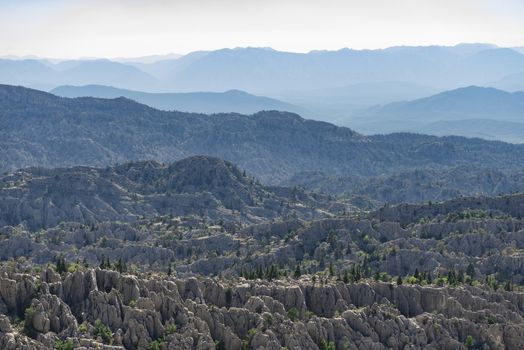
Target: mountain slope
x: 512, y: 82
x: 335, y: 104
x: 196, y: 186
x: 196, y: 102
x: 487, y: 129
x: 471, y: 111
x: 473, y: 102
x: 42, y: 129
x: 415, y: 186
x: 105, y: 72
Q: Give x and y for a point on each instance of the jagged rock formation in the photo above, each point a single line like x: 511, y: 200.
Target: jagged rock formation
x: 200, y: 186
x: 484, y: 233
x: 93, y: 307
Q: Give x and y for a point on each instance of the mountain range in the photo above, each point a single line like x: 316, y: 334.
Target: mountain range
x: 196, y: 102
x: 339, y: 87
x: 267, y: 71
x: 41, y: 129
x: 472, y: 111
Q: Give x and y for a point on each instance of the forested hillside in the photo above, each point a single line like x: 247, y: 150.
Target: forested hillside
x: 40, y: 129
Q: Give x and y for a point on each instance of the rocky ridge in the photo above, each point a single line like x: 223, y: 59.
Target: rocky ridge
x: 91, y: 307
x: 201, y: 186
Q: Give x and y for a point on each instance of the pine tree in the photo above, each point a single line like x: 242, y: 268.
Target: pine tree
x: 376, y: 277
x: 399, y: 280
x: 460, y: 276
x: 429, y: 279
x: 470, y: 270
x: 452, y: 278
x: 331, y: 269
x: 346, y: 278
x: 103, y: 263
x: 297, y: 272
x: 118, y: 265
x: 508, y: 287
x: 61, y: 266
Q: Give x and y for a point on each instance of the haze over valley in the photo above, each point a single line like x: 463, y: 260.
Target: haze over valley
x: 409, y: 89
x: 261, y: 175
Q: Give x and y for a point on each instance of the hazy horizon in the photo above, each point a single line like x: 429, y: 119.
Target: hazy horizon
x: 155, y: 56
x: 142, y: 28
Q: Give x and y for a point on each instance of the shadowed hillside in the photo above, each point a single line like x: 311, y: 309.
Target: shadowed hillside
x: 40, y: 129
x: 196, y: 186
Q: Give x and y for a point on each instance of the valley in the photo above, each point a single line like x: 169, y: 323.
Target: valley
x: 247, y: 175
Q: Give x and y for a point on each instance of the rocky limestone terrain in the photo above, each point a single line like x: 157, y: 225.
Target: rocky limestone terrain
x: 199, y: 255
x: 203, y: 186
x: 484, y: 235
x: 101, y: 309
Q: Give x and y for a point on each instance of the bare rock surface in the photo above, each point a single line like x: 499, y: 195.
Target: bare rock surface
x: 96, y: 307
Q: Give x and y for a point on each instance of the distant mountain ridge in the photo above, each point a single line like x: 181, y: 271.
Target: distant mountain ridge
x: 512, y: 82
x: 471, y: 101
x: 263, y: 70
x: 47, y: 75
x: 470, y: 111
x: 196, y: 102
x: 329, y: 85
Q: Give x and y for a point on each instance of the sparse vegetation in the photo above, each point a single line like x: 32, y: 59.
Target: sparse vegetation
x: 102, y: 331
x: 64, y: 344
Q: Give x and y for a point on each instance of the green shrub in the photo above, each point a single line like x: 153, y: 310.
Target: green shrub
x: 293, y: 314
x: 102, y: 331
x: 469, y: 342
x: 156, y: 344
x: 309, y: 314
x: 412, y: 280
x: 28, y: 320
x: 64, y: 344
x: 73, y: 267
x: 170, y: 328
x: 328, y: 345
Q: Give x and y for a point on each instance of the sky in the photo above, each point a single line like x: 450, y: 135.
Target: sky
x: 133, y: 28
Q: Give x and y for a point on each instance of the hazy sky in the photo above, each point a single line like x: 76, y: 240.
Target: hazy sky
x: 112, y: 28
